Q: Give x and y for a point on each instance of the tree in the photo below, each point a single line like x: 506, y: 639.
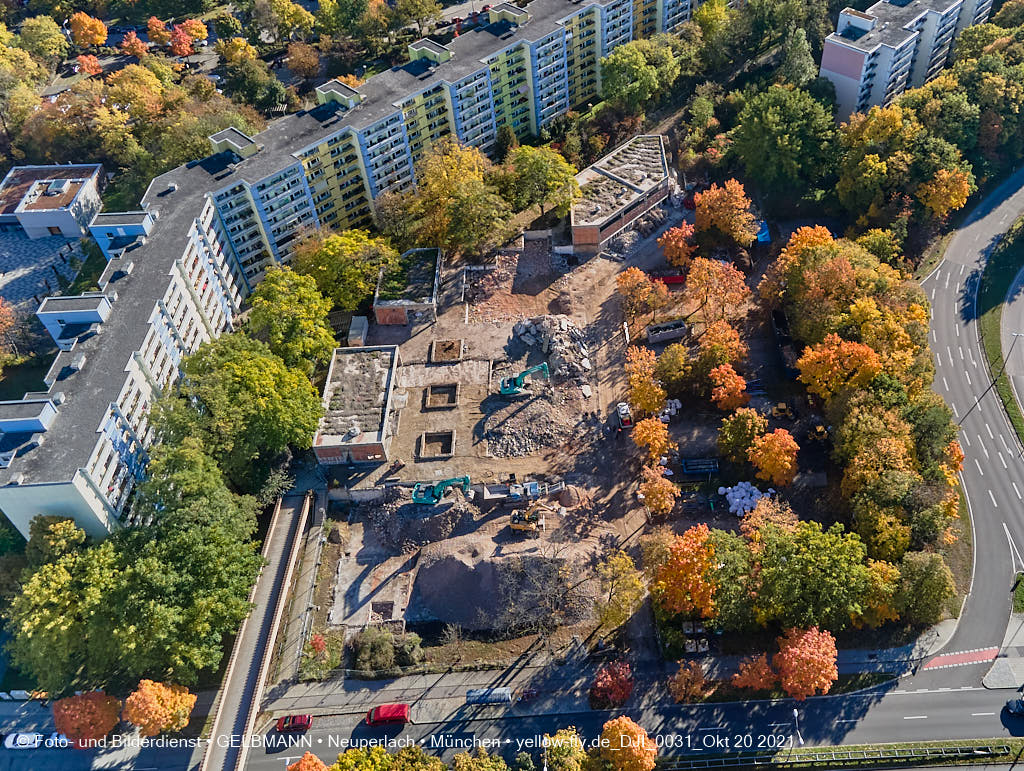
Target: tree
x: 724, y: 213
x: 721, y: 342
x: 810, y: 577
x: 289, y: 314
x: 685, y: 583
x: 688, y: 684
x: 645, y: 393
x: 677, y: 245
x: 506, y: 142
x: 652, y: 434
x: 785, y: 139
x: 419, y: 11
x: 835, y: 364
x: 880, y: 599
x: 755, y: 673
x: 373, y: 758
x: 477, y: 220
x: 612, y: 685
x: 51, y: 537
x: 625, y: 746
x: 926, y: 585
x: 42, y: 38
x: 334, y: 16
x: 86, y: 30
x: 797, y: 67
x: 236, y: 49
x: 658, y: 491
x: 88, y: 64
x: 738, y: 431
x: 133, y: 46
x: 195, y: 29
x: 308, y: 762
x: 716, y: 288
x: 251, y: 81
x: 715, y: 19
x: 635, y: 286
x: 181, y: 43
x: 622, y: 591
x: 774, y: 457
x: 157, y: 32
x: 729, y: 391
x: 1010, y: 15
x: 768, y: 511
x: 344, y: 265
x: 87, y: 717
x: 226, y: 25
x: 479, y: 760
x: 415, y: 759
x: 945, y: 192
x: 541, y: 176
x: 303, y: 60
x: 565, y: 750
x: 627, y: 78
x: 806, y: 662
x: 674, y: 369
x: 158, y: 707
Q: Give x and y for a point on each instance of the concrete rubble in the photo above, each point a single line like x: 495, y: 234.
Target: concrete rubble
x: 564, y: 344
x: 405, y: 526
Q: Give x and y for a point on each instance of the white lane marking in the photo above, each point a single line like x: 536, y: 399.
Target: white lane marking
x: 933, y: 296
x: 847, y: 720
x: 961, y: 349
x: 944, y: 383
x: 994, y: 504
x: 915, y: 717
x: 984, y: 449
x: 979, y: 467
x: 982, y: 714
x: 968, y: 376
x: 949, y: 353
x: 1001, y: 459
x: 947, y: 282
x: 1014, y: 554
x: 962, y: 269
x: 1017, y: 491
x: 966, y: 440
x: 990, y: 434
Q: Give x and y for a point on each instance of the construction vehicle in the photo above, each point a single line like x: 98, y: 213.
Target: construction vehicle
x: 818, y: 434
x: 424, y: 492
x: 532, y: 519
x: 624, y: 416
x: 514, y: 386
x: 782, y: 410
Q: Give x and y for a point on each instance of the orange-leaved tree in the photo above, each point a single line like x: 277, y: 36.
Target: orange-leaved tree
x: 308, y: 762
x: 689, y: 683
x: 726, y: 209
x: 775, y: 278
x: 645, y: 392
x: 658, y: 490
x: 716, y: 288
x: 89, y: 64
x: 677, y: 244
x: 157, y: 31
x: 652, y: 434
x: 157, y: 707
x: 721, y: 341
x: 774, y: 457
x: 834, y: 364
x: 625, y: 746
x: 87, y: 30
x: 755, y: 673
x: 806, y: 662
x: 635, y: 286
x: 685, y: 583
x: 947, y: 191
x: 181, y: 43
x: 769, y: 510
x: 195, y: 29
x: 132, y: 45
x: 612, y: 685
x: 729, y: 388
x: 87, y: 717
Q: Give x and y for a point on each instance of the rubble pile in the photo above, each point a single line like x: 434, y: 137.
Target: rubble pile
x: 562, y: 342
x: 624, y: 243
x: 524, y: 429
x: 405, y: 526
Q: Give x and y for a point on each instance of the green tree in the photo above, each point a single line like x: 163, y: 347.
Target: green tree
x: 337, y: 16
x: 738, y: 431
x: 418, y: 11
x: 226, y: 25
x: 41, y: 37
x: 811, y: 577
x: 797, y: 67
x: 477, y: 219
x: 926, y: 585
x: 566, y: 750
x: 289, y: 314
x: 734, y: 571
x: 627, y: 78
x: 785, y: 139
x: 675, y: 369
x: 505, y: 142
x: 50, y: 538
x: 715, y: 19
x: 541, y: 176
x: 344, y: 265
x: 621, y: 590
x: 250, y: 81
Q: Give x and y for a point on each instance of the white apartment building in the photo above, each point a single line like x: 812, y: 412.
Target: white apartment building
x: 42, y: 201
x: 876, y: 55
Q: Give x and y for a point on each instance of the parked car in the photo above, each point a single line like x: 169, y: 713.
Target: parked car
x: 624, y: 415
x: 388, y: 713
x: 23, y: 741
x: 294, y: 723
x: 57, y: 740
x: 1015, y: 706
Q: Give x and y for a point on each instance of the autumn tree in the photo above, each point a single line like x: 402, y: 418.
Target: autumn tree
x: 737, y: 433
x: 774, y: 457
x: 879, y: 605
x: 89, y: 64
x: 716, y: 288
x: 659, y: 492
x: 635, y: 287
x: 806, y: 662
x: 565, y: 750
x: 446, y: 170
x: 652, y: 434
x: 926, y: 585
x: 132, y: 45
x: 625, y: 746
x: 420, y: 12
x: 303, y: 60
x: 677, y: 244
x: 686, y: 583
x: 541, y: 176
x: 835, y: 364
x: 645, y: 392
x: 729, y: 391
x: 87, y: 717
x: 158, y: 707
x: 195, y: 29
x: 181, y: 43
x: 946, y: 191
x: 721, y: 342
x: 622, y: 591
x: 308, y: 762
x: 612, y: 685
x: 157, y: 31
x: 723, y: 212
x: 236, y: 49
x: 43, y: 38
x: 768, y: 511
x: 755, y: 673
x: 689, y: 684
x: 674, y: 369
x: 86, y: 30
x: 344, y: 264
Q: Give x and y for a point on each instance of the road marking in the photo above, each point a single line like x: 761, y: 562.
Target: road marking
x: 933, y: 297
x: 990, y: 434
x: 1014, y: 554
x: 1016, y: 490
x: 979, y: 467
x: 982, y: 714
x: 947, y: 282
x: 915, y: 717
x: 968, y: 376
x: 966, y: 440
x: 848, y: 720
x: 984, y: 449
x: 1001, y: 459
x: 1006, y: 444
x: 944, y: 383
x: 994, y: 504
x: 956, y: 328
x: 961, y: 349
x: 962, y: 269
x: 949, y: 353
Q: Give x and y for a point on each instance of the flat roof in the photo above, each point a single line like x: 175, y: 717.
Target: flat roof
x: 233, y: 137
x: 114, y: 218
x: 620, y: 178
x: 63, y: 304
x: 891, y: 20
x: 20, y: 180
x: 357, y: 396
x: 412, y: 279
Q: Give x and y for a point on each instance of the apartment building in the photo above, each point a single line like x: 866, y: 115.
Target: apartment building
x: 41, y: 201
x: 877, y: 54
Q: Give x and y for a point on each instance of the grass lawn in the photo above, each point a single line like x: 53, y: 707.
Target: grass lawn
x: 1018, y: 594
x: 1000, y: 270
x: 868, y: 755
x: 89, y: 273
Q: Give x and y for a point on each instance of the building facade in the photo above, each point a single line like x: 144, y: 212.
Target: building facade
x: 42, y: 201
x: 876, y: 55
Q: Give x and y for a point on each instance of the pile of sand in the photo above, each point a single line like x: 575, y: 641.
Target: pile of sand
x: 405, y: 526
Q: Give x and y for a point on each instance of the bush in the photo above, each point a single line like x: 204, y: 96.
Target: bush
x: 321, y: 656
x: 407, y: 650
x: 374, y: 649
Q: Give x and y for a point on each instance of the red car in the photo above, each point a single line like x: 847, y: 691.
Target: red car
x: 294, y: 723
x: 388, y: 713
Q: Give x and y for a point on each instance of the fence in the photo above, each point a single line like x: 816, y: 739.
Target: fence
x: 833, y: 757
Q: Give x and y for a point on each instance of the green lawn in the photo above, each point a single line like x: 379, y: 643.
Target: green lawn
x: 89, y: 274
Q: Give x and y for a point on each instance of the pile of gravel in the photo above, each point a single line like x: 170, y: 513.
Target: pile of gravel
x: 405, y: 526
x: 562, y: 341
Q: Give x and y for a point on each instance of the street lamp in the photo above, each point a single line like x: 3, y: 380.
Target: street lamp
x: 796, y: 720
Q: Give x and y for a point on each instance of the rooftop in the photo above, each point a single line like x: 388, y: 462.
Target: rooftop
x: 357, y: 396
x: 115, y: 218
x: 620, y: 178
x: 21, y: 181
x: 890, y: 20
x: 412, y: 279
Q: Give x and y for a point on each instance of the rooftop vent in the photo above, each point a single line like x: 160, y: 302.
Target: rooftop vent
x: 77, y: 361
x: 58, y: 187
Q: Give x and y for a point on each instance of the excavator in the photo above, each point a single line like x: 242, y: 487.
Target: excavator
x: 532, y: 520
x: 513, y: 386
x: 424, y: 492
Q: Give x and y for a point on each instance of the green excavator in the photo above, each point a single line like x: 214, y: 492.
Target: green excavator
x: 513, y: 386
x: 424, y: 492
